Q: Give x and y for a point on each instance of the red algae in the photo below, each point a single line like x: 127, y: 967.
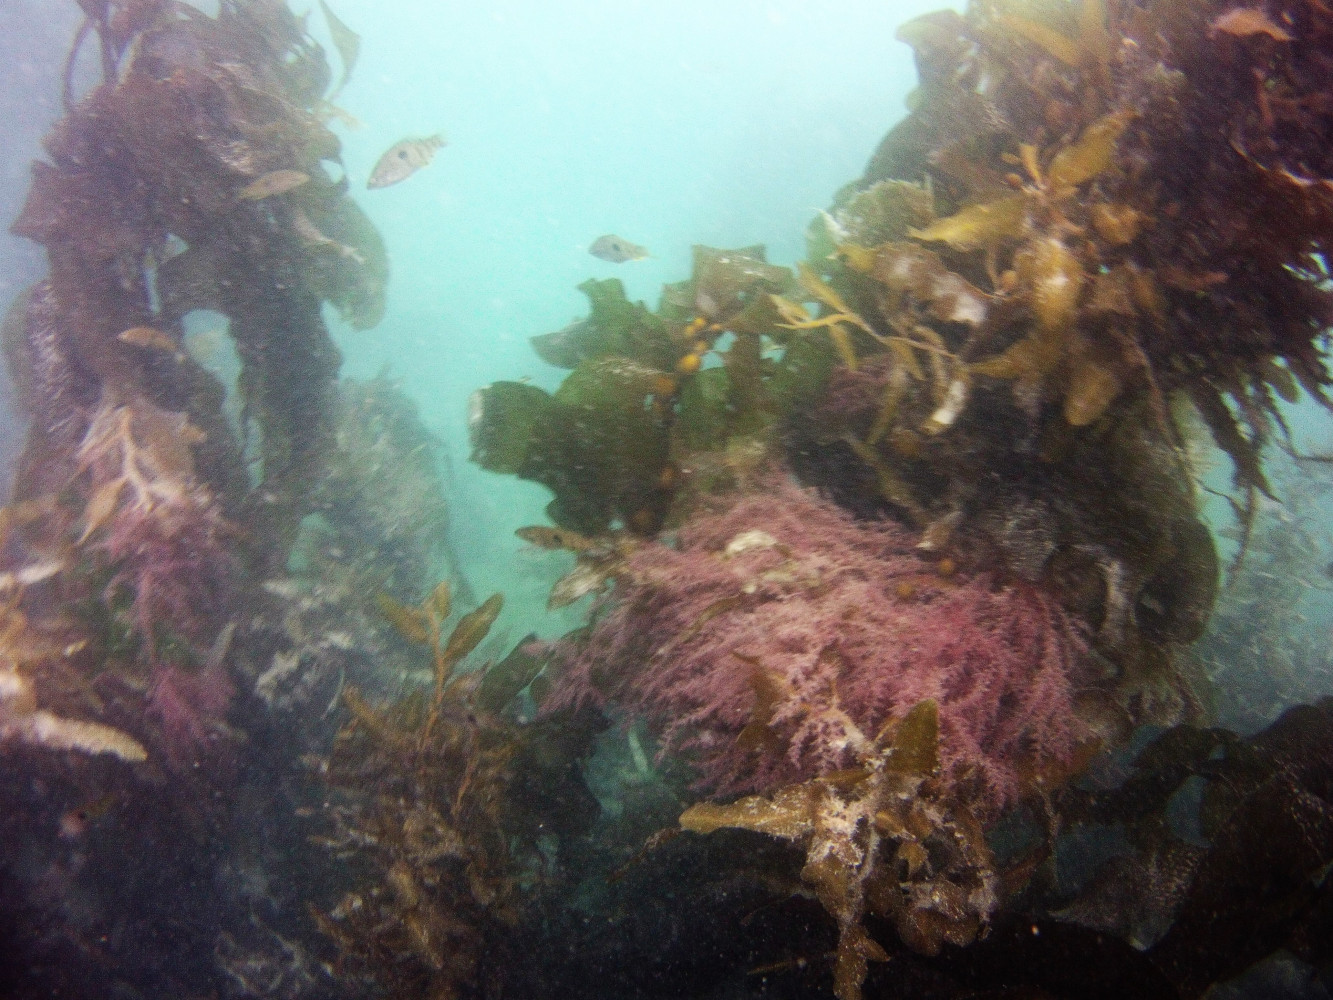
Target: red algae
x: 154, y: 523
x: 190, y: 710
x: 780, y: 613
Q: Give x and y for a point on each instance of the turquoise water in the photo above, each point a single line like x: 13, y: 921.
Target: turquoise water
x: 725, y: 124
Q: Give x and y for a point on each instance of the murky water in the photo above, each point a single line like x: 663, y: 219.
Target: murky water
x: 601, y: 499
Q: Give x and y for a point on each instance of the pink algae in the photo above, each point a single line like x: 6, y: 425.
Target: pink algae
x: 154, y: 523
x: 190, y: 710
x: 779, y: 609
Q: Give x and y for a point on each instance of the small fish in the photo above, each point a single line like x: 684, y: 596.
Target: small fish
x: 273, y: 182
x: 555, y: 538
x: 147, y: 336
x: 77, y: 821
x: 30, y: 574
x: 403, y: 159
x: 617, y: 251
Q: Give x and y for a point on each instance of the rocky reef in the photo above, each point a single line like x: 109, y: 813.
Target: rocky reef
x: 997, y: 358
x: 894, y: 561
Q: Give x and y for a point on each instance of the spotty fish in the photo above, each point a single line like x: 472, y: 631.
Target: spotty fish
x: 555, y: 538
x: 403, y: 159
x: 616, y: 250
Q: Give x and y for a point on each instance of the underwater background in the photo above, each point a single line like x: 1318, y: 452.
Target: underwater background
x: 672, y: 124
x: 675, y: 123
x: 315, y: 730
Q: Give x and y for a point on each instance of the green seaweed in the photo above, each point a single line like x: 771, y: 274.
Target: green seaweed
x: 504, y: 681
x: 800, y: 377
x: 705, y: 405
x: 639, y: 392
x: 596, y: 444
x: 615, y: 326
x: 505, y: 417
x: 346, y: 41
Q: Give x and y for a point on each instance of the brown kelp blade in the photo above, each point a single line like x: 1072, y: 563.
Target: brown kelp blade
x: 411, y: 623
x: 471, y: 629
x: 348, y: 43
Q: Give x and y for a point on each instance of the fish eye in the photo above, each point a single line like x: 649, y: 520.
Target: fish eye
x: 402, y: 154
x: 615, y: 246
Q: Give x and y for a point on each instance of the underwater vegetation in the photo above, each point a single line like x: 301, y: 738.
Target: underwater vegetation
x: 757, y: 646
x: 380, y: 491
x: 429, y: 801
x: 25, y: 647
x: 892, y: 682
x: 1267, y: 643
x: 147, y: 212
x: 199, y: 174
x: 425, y: 779
x: 1099, y: 226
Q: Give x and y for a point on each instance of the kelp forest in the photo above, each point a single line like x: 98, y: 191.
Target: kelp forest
x: 943, y: 597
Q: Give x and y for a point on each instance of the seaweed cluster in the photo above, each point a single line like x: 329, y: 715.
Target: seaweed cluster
x: 378, y: 525
x: 618, y: 439
x: 777, y: 632
x: 381, y: 496
x: 1263, y: 807
x: 30, y: 647
x: 158, y: 200
x: 140, y: 210
x: 1132, y: 191
x: 886, y: 708
x: 427, y: 805
x: 1100, y: 225
x: 153, y: 523
x: 1266, y: 646
x: 889, y: 693
x: 146, y: 521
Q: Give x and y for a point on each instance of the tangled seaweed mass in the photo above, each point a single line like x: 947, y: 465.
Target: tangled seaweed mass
x: 894, y: 554
x: 140, y: 214
x: 779, y: 630
x: 1094, y: 219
